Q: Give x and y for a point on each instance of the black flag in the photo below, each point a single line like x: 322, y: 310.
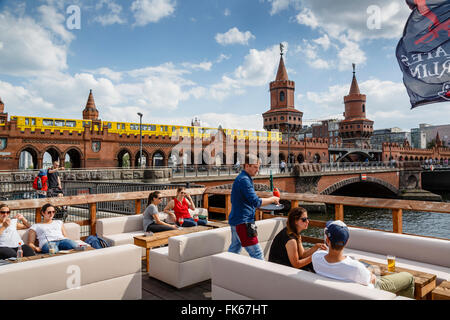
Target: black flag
x: 423, y: 52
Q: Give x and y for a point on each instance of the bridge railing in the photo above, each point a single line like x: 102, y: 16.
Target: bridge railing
x: 396, y: 207
x: 201, y: 197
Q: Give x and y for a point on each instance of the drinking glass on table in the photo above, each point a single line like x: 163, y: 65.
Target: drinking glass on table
x: 196, y: 218
x: 51, y: 248
x: 180, y: 222
x: 391, y: 263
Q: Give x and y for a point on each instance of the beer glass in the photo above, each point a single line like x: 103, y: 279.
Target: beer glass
x: 391, y: 263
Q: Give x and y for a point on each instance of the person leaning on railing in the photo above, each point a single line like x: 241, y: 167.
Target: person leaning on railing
x: 180, y: 206
x: 287, y: 248
x: 334, y: 264
x: 9, y: 237
x: 49, y: 231
x: 151, y: 221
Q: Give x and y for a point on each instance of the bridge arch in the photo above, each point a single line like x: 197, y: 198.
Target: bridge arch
x: 362, y: 156
x: 28, y: 151
x: 338, y: 185
x: 75, y: 157
x: 122, y: 159
x: 54, y: 153
x: 158, y: 158
x: 145, y: 158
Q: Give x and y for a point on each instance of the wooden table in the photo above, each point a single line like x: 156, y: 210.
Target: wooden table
x: 48, y: 255
x: 217, y: 224
x: 424, y: 283
x: 161, y: 238
x: 441, y: 292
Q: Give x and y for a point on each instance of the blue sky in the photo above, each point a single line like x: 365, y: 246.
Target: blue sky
x: 174, y: 60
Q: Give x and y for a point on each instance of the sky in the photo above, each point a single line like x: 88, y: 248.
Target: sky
x: 176, y: 60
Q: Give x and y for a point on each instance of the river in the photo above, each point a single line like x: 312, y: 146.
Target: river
x: 414, y: 222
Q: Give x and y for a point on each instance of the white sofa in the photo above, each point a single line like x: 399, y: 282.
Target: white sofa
x: 237, y: 277
x: 419, y: 253
x: 92, y: 274
x: 186, y: 260
x: 121, y: 230
x: 72, y: 231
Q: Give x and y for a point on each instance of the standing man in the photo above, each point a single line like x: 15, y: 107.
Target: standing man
x: 54, y: 181
x: 282, y: 166
x: 244, y: 202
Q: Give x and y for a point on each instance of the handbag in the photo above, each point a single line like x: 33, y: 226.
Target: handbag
x: 251, y: 230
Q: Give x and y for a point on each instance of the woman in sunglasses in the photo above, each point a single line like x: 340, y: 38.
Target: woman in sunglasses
x: 49, y: 230
x: 180, y: 206
x: 151, y: 222
x: 287, y: 248
x: 10, y: 239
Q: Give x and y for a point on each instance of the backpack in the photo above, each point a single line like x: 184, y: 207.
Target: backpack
x: 37, y: 183
x: 96, y: 242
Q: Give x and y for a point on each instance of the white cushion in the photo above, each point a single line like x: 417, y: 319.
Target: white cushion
x: 442, y: 273
x: 192, y: 246
x: 421, y: 249
x: 265, y: 280
x: 108, y: 226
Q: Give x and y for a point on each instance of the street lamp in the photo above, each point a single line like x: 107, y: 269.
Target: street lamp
x: 140, y: 138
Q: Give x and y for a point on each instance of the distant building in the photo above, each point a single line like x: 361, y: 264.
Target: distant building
x: 418, y: 138
x: 431, y: 131
x: 392, y: 135
x: 328, y: 129
x: 305, y: 132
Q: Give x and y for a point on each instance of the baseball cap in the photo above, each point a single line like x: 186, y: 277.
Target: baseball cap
x: 337, y: 232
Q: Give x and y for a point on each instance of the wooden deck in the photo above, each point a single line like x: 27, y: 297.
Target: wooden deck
x: 153, y: 289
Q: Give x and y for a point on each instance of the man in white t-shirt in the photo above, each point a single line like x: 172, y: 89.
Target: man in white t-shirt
x: 333, y: 264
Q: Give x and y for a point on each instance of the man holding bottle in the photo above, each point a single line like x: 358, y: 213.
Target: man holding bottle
x: 244, y: 202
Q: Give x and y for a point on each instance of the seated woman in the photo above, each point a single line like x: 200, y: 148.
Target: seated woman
x: 152, y: 223
x: 49, y: 230
x: 287, y: 248
x: 10, y: 239
x: 180, y: 206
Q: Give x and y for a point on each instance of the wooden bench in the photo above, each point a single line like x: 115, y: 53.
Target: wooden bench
x: 441, y: 292
x: 161, y: 238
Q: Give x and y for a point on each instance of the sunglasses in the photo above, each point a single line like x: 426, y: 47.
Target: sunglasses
x: 304, y: 219
x: 5, y: 212
x: 50, y: 211
x: 159, y: 198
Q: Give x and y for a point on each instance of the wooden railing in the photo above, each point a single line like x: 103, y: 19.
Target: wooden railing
x: 396, y: 207
x: 339, y: 202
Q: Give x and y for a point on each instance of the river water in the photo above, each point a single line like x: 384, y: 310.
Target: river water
x: 414, y: 222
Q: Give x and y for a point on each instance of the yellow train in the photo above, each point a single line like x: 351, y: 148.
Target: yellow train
x: 128, y: 128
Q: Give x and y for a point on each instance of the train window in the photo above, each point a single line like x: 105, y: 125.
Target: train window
x: 59, y: 123
x: 144, y: 127
x: 118, y: 126
x: 71, y: 124
x: 33, y: 121
x: 151, y: 128
x: 134, y: 127
x: 86, y: 124
x: 174, y: 129
x: 181, y: 129
x: 27, y: 121
x: 47, y: 122
x: 123, y: 126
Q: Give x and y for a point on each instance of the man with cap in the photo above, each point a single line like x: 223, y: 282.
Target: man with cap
x: 333, y: 264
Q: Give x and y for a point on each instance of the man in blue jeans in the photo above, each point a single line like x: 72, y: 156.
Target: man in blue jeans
x: 244, y: 202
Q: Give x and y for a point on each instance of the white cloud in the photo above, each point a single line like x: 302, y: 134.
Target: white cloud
x: 227, y: 12
x: 280, y: 5
x: 110, y: 74
x: 307, y: 18
x: 114, y: 13
x: 234, y: 36
x: 387, y: 104
x: 148, y: 11
x: 257, y: 69
x: 222, y: 57
x: 323, y: 41
x: 55, y: 22
x: 31, y: 47
x: 203, y: 65
x: 351, y: 18
x: 22, y: 100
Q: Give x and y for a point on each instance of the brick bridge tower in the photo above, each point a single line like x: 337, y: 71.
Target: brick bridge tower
x: 282, y: 114
x: 90, y: 112
x: 355, y: 130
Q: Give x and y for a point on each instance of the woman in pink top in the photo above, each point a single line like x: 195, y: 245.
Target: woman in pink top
x: 180, y: 206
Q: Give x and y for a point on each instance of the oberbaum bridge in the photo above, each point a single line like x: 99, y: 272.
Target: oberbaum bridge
x: 110, y: 151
